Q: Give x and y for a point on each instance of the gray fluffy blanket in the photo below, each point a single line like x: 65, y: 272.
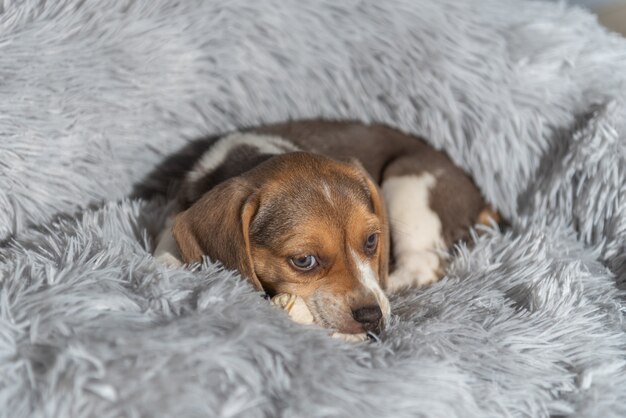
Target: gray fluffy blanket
x: 97, y: 95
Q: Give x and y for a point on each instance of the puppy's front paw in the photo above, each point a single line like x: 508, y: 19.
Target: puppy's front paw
x: 421, y: 269
x: 169, y: 260
x: 299, y: 312
x: 403, y: 279
x: 352, y: 338
x: 295, y: 307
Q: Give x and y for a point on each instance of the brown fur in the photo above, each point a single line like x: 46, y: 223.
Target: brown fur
x: 385, y: 152
x: 258, y: 210
x: 255, y: 222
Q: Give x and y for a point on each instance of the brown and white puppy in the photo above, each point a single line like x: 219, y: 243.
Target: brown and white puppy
x: 296, y: 209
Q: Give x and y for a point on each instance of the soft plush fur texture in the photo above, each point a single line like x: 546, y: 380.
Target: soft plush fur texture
x: 95, y: 94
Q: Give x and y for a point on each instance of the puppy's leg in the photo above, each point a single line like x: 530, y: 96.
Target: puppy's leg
x: 431, y: 205
x: 166, y: 251
x: 415, y: 231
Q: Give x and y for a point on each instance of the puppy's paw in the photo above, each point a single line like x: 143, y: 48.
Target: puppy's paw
x: 404, y: 279
x: 166, y: 251
x: 299, y: 312
x: 420, y: 269
x: 295, y: 308
x: 351, y: 338
x: 169, y: 260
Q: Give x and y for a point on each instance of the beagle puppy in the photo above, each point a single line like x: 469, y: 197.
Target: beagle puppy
x: 336, y: 213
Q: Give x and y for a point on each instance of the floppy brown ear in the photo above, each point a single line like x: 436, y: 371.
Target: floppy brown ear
x: 218, y: 226
x: 380, y: 210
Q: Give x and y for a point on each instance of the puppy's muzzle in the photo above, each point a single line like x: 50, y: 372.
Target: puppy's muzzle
x: 369, y: 317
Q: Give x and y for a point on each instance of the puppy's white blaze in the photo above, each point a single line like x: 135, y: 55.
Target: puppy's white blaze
x: 415, y: 229
x: 369, y: 280
x: 211, y: 159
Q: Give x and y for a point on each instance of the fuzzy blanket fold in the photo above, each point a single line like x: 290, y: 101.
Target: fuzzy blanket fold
x: 103, y: 101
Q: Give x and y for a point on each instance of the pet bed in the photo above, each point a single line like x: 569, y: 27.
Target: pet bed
x: 99, y: 97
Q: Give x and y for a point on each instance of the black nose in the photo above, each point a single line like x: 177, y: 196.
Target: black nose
x: 369, y: 316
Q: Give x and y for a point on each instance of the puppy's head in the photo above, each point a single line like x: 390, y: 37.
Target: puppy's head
x: 301, y: 224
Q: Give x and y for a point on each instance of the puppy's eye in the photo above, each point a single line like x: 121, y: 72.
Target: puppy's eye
x: 304, y: 263
x: 371, y: 243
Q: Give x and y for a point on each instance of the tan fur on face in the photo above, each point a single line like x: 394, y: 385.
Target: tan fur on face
x: 293, y: 205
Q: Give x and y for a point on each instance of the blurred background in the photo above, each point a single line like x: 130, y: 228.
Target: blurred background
x: 611, y: 13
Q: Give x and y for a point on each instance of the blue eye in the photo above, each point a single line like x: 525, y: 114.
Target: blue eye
x: 304, y: 263
x: 371, y: 243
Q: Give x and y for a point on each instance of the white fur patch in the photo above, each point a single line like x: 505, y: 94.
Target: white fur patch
x: 415, y: 230
x: 266, y: 144
x: 368, y: 279
x: 166, y: 251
